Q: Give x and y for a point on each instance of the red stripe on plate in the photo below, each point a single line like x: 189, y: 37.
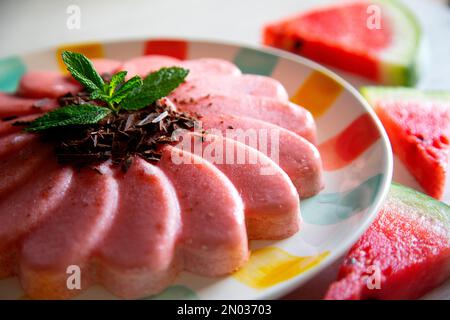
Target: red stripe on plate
x: 348, y: 145
x: 173, y: 48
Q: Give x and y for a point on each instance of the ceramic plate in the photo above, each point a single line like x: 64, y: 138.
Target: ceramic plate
x: 354, y: 147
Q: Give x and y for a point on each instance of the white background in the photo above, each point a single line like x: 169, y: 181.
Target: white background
x: 29, y: 25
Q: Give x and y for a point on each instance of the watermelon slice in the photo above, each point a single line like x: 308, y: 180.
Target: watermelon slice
x: 379, y: 40
x: 418, y: 125
x: 404, y: 254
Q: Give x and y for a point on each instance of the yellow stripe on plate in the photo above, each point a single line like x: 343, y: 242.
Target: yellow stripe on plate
x: 271, y: 265
x: 90, y: 50
x: 317, y: 93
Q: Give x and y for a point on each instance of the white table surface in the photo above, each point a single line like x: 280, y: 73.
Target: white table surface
x: 30, y: 25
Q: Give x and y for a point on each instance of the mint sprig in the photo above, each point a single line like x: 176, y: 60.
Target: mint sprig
x: 117, y: 89
x: 83, y: 70
x: 116, y: 80
x: 82, y: 114
x: 126, y: 90
x: 156, y: 85
x: 116, y: 95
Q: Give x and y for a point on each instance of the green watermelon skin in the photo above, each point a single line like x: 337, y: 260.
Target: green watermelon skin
x: 339, y: 36
x: 418, y: 126
x: 409, y: 243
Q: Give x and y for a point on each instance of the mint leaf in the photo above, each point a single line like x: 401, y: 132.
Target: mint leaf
x: 116, y: 80
x: 99, y: 95
x: 129, y: 87
x: 69, y: 115
x: 82, y: 70
x: 155, y: 86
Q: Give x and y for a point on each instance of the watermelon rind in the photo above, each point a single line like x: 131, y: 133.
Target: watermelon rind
x: 401, y: 94
x: 403, y: 63
x: 409, y: 201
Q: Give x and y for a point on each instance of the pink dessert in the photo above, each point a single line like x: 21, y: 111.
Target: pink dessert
x: 69, y: 235
x: 210, y: 66
x: 213, y: 241
x: 145, y: 64
x: 106, y: 66
x: 125, y: 197
x: 22, y: 164
x: 16, y: 106
x: 282, y: 113
x: 46, y: 84
x: 13, y: 143
x: 198, y: 67
x: 152, y: 232
x: 298, y: 157
x: 218, y: 84
x: 270, y: 199
x: 32, y: 203
x: 7, y: 126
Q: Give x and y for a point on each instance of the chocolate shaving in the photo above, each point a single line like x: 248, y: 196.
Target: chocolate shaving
x: 118, y: 137
x: 9, y: 118
x: 79, y: 98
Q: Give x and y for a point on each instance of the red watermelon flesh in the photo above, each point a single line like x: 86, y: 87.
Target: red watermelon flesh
x: 418, y: 125
x: 351, y: 37
x: 326, y: 36
x: 407, y: 246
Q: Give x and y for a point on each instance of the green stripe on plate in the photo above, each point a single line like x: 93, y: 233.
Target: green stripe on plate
x: 255, y: 62
x: 177, y: 292
x: 331, y: 208
x: 11, y: 70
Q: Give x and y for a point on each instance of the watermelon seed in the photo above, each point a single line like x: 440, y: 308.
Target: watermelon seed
x: 444, y: 139
x: 441, y: 142
x: 431, y: 152
x: 297, y: 45
x: 437, y: 144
